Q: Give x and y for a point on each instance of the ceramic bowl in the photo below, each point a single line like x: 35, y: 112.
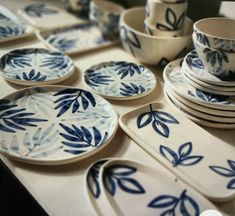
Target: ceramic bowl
x: 151, y: 49
x: 77, y: 6
x: 217, y: 33
x: 217, y: 62
x: 151, y: 30
x: 166, y: 16
x: 106, y: 14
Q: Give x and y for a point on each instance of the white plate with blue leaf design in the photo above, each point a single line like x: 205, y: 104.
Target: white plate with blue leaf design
x: 128, y: 187
x: 10, y: 27
x: 54, y: 125
x: 195, y: 67
x: 35, y: 66
x: 120, y: 80
x: 174, y: 77
x: 75, y: 39
x: 163, y: 132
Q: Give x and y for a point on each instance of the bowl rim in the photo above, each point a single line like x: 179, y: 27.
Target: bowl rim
x: 117, y: 8
x: 126, y: 12
x: 195, y: 28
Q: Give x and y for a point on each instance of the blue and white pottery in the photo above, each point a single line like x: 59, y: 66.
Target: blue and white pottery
x: 35, y: 66
x: 217, y: 62
x: 160, y: 130
x: 194, y: 66
x: 106, y: 14
x: 120, y: 80
x: 216, y: 32
x: 175, y: 78
x: 132, y: 188
x: 10, y: 27
x: 54, y: 125
x: 76, y: 38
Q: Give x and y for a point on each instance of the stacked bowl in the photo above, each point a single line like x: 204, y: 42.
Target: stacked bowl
x: 202, y: 85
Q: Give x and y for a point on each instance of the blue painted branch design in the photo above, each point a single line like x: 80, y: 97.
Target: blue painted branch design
x: 194, y: 61
x: 32, y: 76
x: 226, y: 172
x: 181, y: 158
x: 93, y: 178
x: 13, y: 118
x: 214, y: 57
x: 159, y: 121
x: 73, y: 98
x: 38, y: 10
x: 172, y: 22
x: 130, y: 38
x: 80, y: 139
x: 132, y: 89
x: 202, y: 39
x: 12, y: 30
x: 187, y: 205
x: 94, y: 78
x: 61, y: 43
x: 121, y: 176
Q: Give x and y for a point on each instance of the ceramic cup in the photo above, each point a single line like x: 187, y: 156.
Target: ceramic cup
x: 151, y: 30
x: 166, y: 16
x: 218, y: 33
x: 106, y: 14
x: 216, y: 62
x: 80, y: 7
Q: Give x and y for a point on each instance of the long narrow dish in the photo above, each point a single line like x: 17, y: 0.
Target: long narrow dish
x: 160, y: 130
x: 54, y: 125
x: 35, y: 66
x: 75, y: 39
x: 132, y: 188
x: 11, y: 28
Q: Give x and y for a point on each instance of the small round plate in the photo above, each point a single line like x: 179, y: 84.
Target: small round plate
x: 120, y: 80
x: 55, y: 125
x: 35, y: 66
x: 195, y: 67
x: 174, y: 77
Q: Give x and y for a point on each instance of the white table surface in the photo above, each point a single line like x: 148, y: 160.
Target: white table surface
x: 60, y: 189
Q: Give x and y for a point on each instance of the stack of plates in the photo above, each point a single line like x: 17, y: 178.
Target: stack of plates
x: 203, y: 97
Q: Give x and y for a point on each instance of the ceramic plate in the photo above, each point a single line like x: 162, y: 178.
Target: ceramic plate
x: 133, y: 188
x: 198, y: 120
x: 194, y: 112
x: 223, y: 113
x: 76, y: 38
x: 10, y: 27
x: 54, y: 124
x: 195, y: 67
x: 174, y: 77
x: 162, y: 132
x: 45, y: 16
x: 120, y: 80
x: 35, y: 66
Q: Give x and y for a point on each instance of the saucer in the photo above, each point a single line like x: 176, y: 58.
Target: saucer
x: 120, y: 80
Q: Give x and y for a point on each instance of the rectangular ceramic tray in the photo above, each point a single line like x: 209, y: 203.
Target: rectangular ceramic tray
x: 75, y: 39
x: 197, y: 157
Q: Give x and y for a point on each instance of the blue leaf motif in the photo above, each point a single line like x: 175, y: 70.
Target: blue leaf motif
x: 163, y: 201
x: 38, y: 10
x: 126, y: 68
x: 170, y: 155
x: 130, y: 185
x: 32, y: 76
x: 187, y: 205
x: 144, y: 119
x: 190, y: 160
x: 231, y: 164
x: 185, y: 149
x: 132, y: 89
x: 231, y: 184
x: 110, y: 184
x: 166, y: 117
x: 161, y: 128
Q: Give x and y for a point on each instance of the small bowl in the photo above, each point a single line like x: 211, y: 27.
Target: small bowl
x: 217, y: 33
x: 217, y: 62
x: 77, y: 6
x: 151, y: 30
x: 149, y: 49
x: 166, y: 16
x: 106, y: 14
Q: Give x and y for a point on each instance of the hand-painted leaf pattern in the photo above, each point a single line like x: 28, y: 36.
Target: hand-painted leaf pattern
x: 126, y: 68
x: 32, y: 76
x: 132, y: 89
x: 162, y: 201
x: 38, y: 10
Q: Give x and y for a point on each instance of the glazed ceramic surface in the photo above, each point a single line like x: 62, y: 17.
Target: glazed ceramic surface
x: 35, y: 66
x: 204, y: 109
x: 46, y: 16
x: 120, y: 80
x: 160, y: 130
x: 216, y: 32
x: 216, y: 62
x: 54, y: 125
x: 151, y: 49
x: 75, y: 39
x: 194, y: 66
x: 10, y: 27
x: 174, y: 77
x: 196, y: 119
x: 166, y: 16
x: 77, y: 6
